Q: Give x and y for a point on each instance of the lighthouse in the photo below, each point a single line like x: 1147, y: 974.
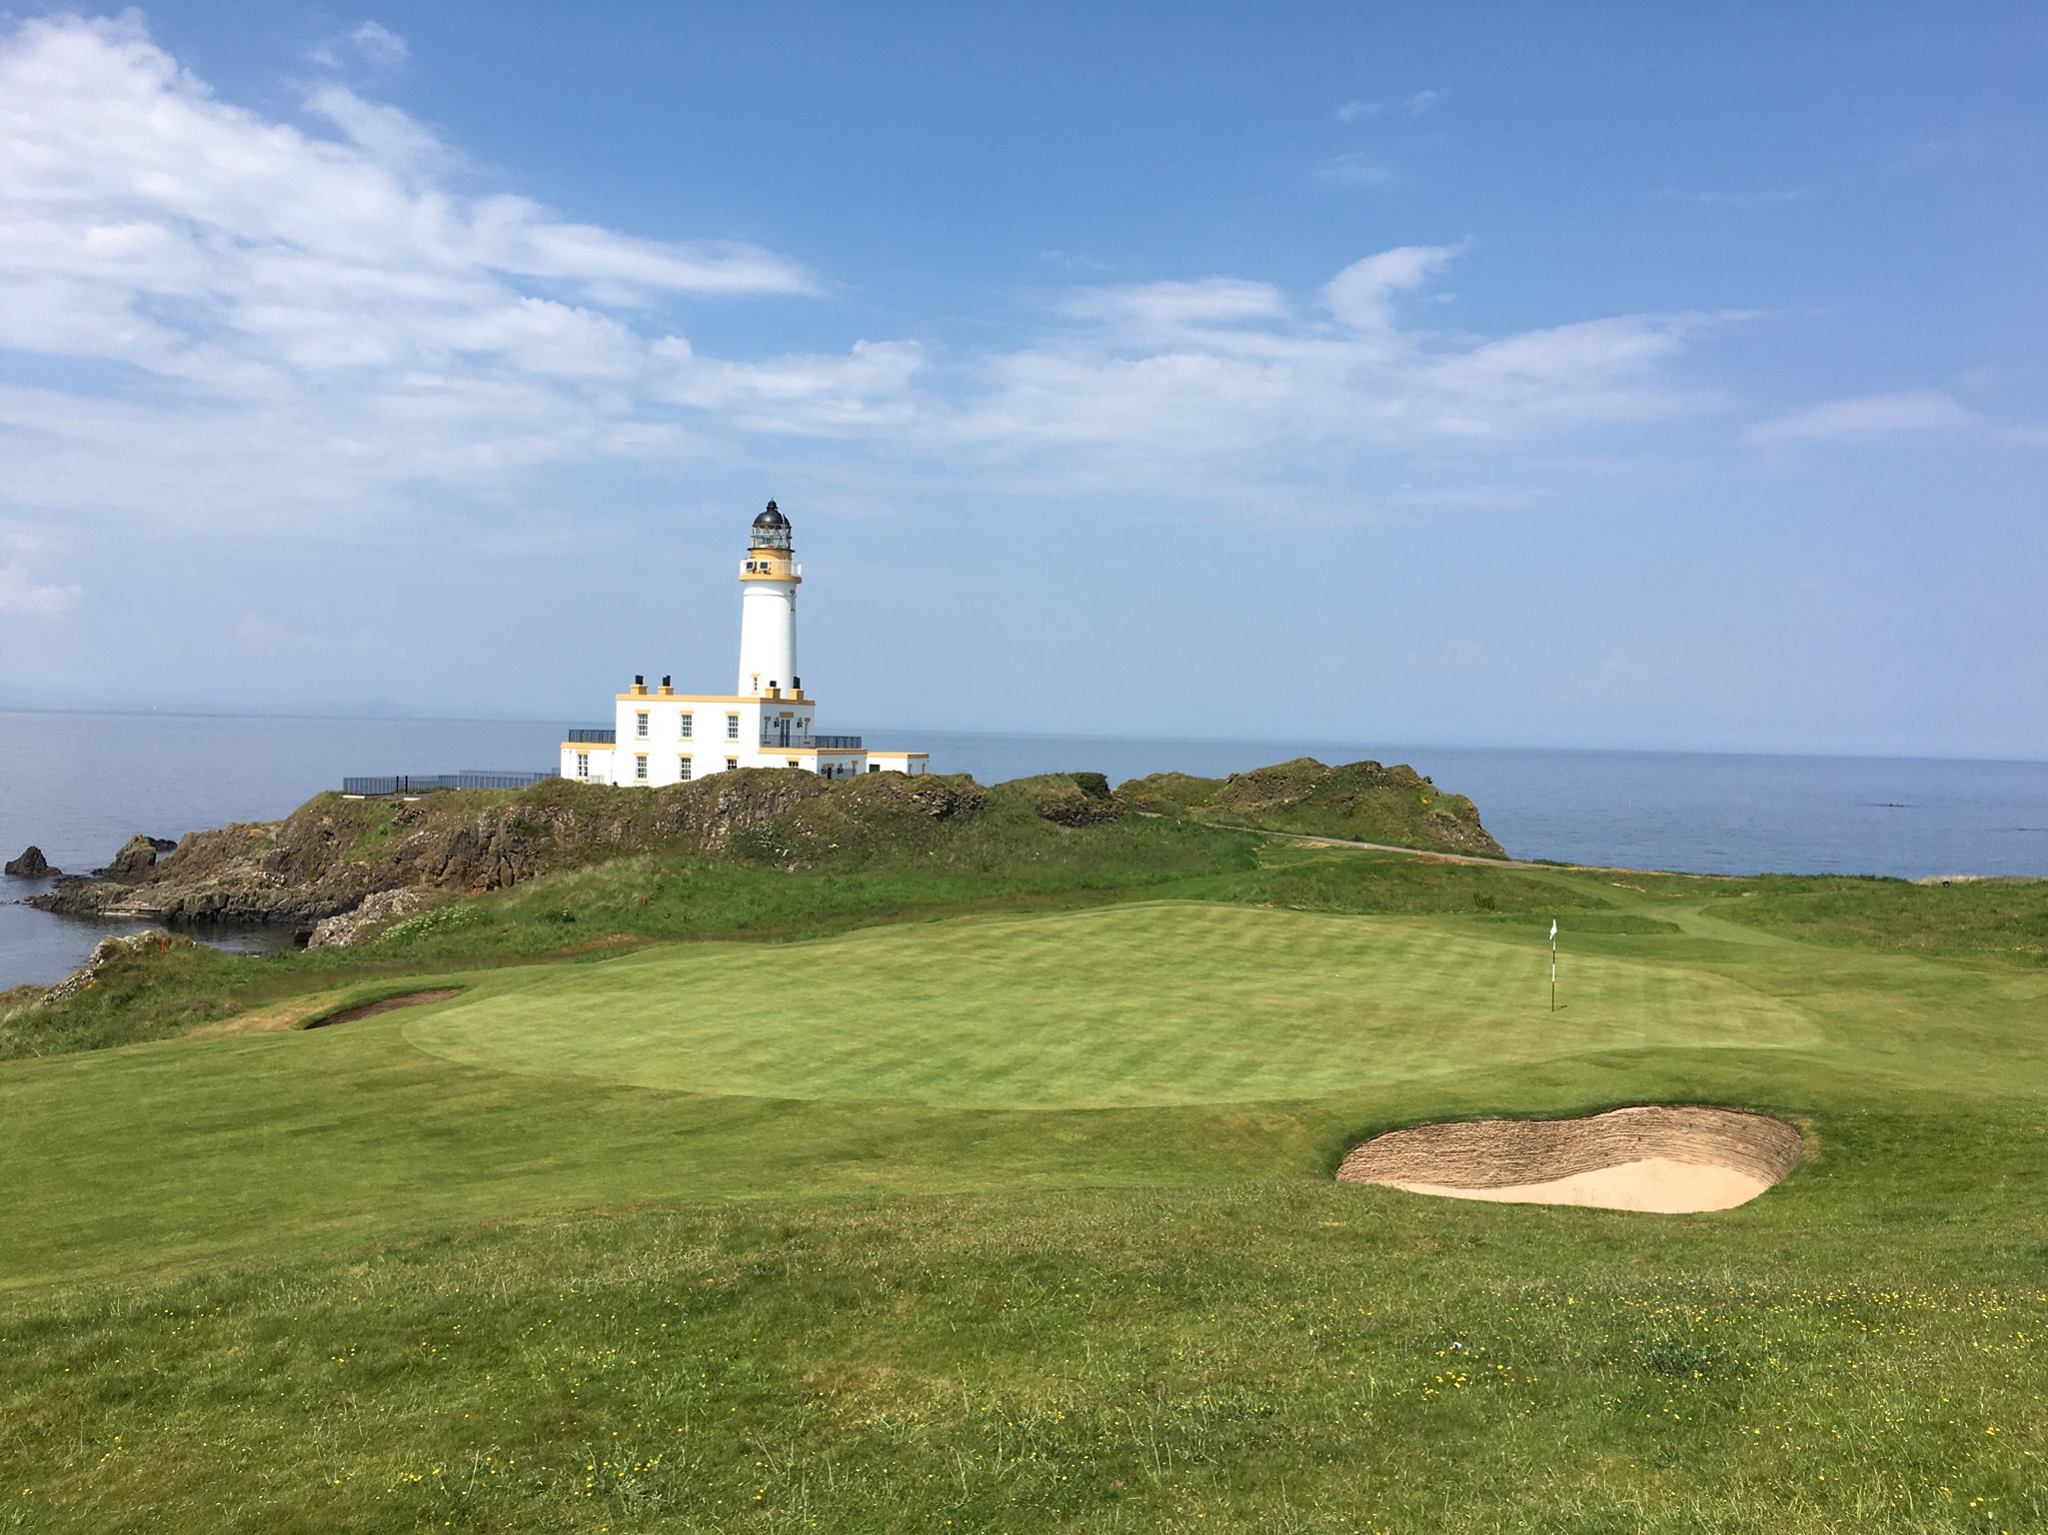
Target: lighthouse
x: 660, y: 736
x: 769, y: 578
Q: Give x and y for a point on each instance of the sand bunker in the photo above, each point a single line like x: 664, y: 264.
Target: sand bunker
x: 1668, y: 1160
x: 386, y: 1005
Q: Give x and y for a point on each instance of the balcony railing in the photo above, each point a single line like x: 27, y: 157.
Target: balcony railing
x: 841, y: 743
x: 421, y: 783
x: 594, y: 737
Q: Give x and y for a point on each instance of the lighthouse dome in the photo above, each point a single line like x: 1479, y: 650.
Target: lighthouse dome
x: 771, y: 529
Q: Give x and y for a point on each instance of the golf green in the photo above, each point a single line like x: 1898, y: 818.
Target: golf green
x: 1140, y: 1005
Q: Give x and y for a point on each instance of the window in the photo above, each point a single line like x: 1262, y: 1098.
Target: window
x: 683, y: 767
x: 640, y: 767
x: 731, y: 763
x: 792, y: 762
x: 686, y: 728
x: 732, y: 727
x: 583, y: 764
x: 640, y: 724
x: 874, y: 767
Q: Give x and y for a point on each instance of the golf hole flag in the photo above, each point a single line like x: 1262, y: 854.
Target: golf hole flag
x: 1553, y: 964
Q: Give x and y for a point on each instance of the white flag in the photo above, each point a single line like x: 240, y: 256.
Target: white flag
x: 1553, y: 930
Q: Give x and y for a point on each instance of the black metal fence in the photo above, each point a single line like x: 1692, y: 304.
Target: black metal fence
x: 421, y: 783
x: 594, y: 737
x: 848, y: 743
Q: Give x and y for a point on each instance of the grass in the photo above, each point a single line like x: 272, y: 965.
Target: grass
x: 1021, y: 1219
x: 1155, y: 1004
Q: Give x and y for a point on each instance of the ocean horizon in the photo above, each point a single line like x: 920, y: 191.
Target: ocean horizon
x: 79, y: 784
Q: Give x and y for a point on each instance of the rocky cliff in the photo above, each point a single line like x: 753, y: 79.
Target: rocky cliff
x: 332, y: 853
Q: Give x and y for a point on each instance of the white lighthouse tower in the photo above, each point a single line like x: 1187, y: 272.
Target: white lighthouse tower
x: 768, y: 582
x: 660, y: 736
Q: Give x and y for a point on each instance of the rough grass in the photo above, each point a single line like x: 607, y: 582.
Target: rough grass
x: 336, y: 1281
x: 2003, y: 917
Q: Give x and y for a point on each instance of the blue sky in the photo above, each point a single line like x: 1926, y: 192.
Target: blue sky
x: 1553, y: 376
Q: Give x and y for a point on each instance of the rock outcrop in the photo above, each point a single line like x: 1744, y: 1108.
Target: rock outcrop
x: 375, y: 914
x: 31, y: 864
x: 1070, y: 799
x: 331, y: 854
x: 137, y: 857
x: 1355, y: 801
x: 112, y: 951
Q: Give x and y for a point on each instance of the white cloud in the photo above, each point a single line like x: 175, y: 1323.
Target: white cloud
x: 265, y: 325
x: 1075, y: 261
x: 20, y: 594
x: 1917, y: 410
x: 1173, y: 305
x: 1353, y: 169
x: 1359, y: 295
x: 1415, y: 104
x: 376, y: 45
x: 386, y: 47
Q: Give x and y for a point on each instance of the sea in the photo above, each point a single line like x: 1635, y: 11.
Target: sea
x: 79, y: 785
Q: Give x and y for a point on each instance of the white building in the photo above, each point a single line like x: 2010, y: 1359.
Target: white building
x: 660, y: 736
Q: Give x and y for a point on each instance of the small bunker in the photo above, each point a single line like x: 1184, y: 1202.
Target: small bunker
x: 1667, y: 1160
x: 382, y: 1005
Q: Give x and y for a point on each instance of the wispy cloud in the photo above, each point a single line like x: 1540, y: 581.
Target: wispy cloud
x: 372, y: 43
x: 1361, y: 295
x: 20, y: 594
x: 1173, y: 306
x: 1075, y: 261
x: 1920, y: 410
x: 1353, y: 169
x: 1415, y: 104
x: 258, y: 316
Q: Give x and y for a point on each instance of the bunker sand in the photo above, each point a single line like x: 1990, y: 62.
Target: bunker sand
x: 1663, y: 1160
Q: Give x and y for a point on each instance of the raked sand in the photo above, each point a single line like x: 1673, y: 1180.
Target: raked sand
x: 1668, y: 1160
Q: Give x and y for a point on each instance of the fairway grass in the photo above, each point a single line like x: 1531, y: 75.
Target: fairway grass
x: 1027, y: 1222
x: 1142, y: 1005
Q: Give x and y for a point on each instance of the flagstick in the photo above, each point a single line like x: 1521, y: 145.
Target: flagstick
x: 1553, y: 967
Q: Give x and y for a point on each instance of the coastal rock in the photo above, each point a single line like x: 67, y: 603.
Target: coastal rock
x: 136, y: 858
x: 329, y: 855
x: 31, y: 864
x: 376, y: 913
x: 113, y: 951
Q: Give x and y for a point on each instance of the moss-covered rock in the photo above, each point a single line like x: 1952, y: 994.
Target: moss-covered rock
x: 1068, y: 799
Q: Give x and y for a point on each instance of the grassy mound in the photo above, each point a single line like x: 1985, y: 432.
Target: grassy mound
x: 1358, y: 801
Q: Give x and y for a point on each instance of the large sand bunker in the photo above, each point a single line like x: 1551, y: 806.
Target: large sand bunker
x: 1668, y: 1160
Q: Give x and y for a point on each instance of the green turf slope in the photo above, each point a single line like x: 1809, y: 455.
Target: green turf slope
x: 1026, y: 1223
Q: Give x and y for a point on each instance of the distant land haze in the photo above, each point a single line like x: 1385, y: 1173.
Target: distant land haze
x: 170, y: 774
